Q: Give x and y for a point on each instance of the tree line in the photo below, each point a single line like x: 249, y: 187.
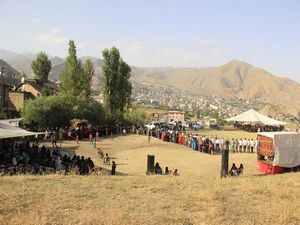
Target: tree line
x: 74, y: 100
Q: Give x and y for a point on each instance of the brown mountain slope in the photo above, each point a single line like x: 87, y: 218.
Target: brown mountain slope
x: 232, y: 79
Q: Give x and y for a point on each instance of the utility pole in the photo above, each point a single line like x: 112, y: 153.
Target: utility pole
x: 1, y: 80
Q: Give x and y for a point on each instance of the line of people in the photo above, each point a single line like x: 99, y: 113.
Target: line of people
x: 211, y: 145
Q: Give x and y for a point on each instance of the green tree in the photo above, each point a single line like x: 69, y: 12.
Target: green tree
x: 41, y: 67
x: 86, y: 79
x: 71, y: 77
x: 117, y: 86
x: 49, y: 111
x: 137, y: 117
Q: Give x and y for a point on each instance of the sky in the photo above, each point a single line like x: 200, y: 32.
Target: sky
x: 152, y: 33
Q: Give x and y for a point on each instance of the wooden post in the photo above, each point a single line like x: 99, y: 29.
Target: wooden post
x: 224, y: 162
x: 150, y: 164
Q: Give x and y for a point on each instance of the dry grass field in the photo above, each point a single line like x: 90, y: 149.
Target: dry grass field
x: 197, y: 196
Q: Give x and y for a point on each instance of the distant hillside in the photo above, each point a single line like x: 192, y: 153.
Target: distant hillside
x: 232, y: 79
x: 10, y: 75
x: 235, y: 78
x: 22, y: 63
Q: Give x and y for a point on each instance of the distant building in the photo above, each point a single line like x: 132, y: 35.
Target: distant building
x: 209, y: 122
x: 175, y: 116
x: 17, y: 99
x: 4, y: 96
x: 28, y: 89
x: 35, y: 87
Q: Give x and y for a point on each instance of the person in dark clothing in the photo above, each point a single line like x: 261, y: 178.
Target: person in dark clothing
x: 240, y: 169
x: 157, y: 169
x: 167, y: 171
x: 234, y: 170
x: 113, y: 168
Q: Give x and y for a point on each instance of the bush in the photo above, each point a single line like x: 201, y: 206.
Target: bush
x: 57, y: 111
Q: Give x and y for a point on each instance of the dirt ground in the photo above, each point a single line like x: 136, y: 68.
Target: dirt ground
x: 197, y: 196
x: 130, y: 153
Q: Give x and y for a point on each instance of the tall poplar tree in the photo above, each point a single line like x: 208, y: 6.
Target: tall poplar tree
x: 70, y: 77
x: 41, y: 67
x: 76, y: 79
x: 88, y: 73
x: 117, y: 86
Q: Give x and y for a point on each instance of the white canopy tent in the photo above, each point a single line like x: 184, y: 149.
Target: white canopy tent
x: 8, y: 129
x: 251, y: 116
x: 286, y: 148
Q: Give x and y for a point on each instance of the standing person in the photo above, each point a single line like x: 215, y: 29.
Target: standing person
x: 69, y: 134
x: 91, y: 138
x: 222, y: 144
x: 233, y: 145
x: 241, y: 145
x: 54, y: 140
x: 94, y: 144
x: 97, y: 136
x: 251, y: 145
x: 245, y: 144
x: 248, y: 145
x: 236, y: 145
x: 256, y: 144
x: 36, y: 139
x: 217, y: 142
x: 149, y: 136
x: 113, y: 168
x: 77, y: 138
x: 111, y: 136
x: 227, y: 143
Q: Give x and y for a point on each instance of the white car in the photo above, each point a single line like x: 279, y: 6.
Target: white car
x: 152, y: 125
x: 197, y: 126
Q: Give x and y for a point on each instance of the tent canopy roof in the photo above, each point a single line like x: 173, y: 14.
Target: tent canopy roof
x: 252, y: 116
x: 10, y: 131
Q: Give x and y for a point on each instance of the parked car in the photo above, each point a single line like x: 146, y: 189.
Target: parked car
x: 197, y: 126
x: 152, y: 125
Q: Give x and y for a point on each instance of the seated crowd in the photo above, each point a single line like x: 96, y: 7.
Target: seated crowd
x: 23, y: 158
x: 258, y: 128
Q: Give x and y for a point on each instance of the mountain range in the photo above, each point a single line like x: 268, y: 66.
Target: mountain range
x: 233, y: 79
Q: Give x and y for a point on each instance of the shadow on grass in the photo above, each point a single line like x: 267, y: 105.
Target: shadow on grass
x: 108, y: 172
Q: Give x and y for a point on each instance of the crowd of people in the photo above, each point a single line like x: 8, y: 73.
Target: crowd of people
x: 93, y: 133
x: 210, y: 145
x: 258, y: 128
x: 27, y: 157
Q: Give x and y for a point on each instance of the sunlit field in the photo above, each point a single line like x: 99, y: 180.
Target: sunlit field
x: 197, y: 196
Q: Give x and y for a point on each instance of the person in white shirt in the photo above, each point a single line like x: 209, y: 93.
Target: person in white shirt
x: 222, y: 144
x: 241, y: 145
x: 14, y: 161
x: 248, y: 145
x: 256, y: 144
x: 217, y: 144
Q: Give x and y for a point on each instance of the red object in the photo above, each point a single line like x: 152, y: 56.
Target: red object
x: 180, y: 139
x: 267, y: 168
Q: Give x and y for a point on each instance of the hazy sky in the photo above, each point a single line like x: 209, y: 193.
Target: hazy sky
x: 186, y: 33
